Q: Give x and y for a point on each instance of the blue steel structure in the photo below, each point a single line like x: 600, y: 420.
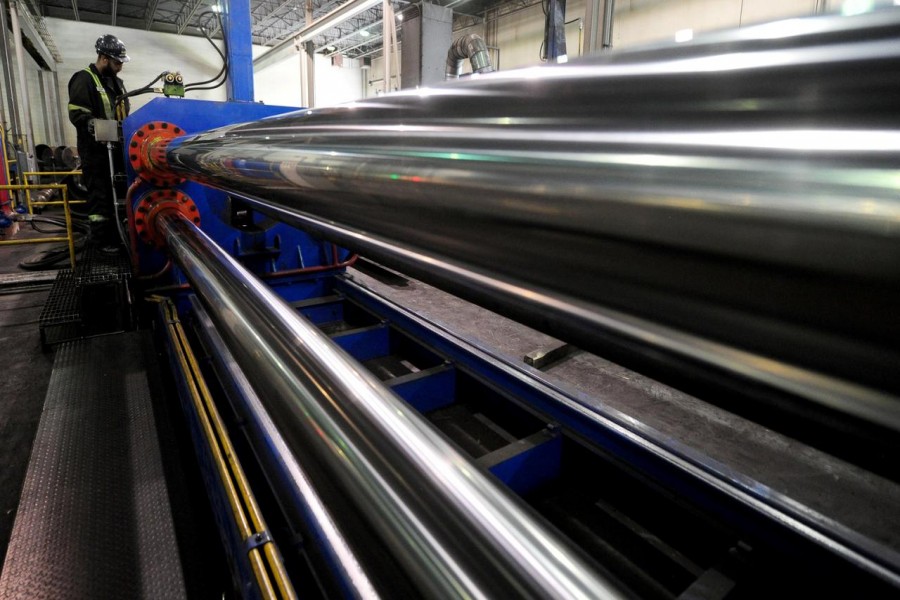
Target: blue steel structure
x: 236, y: 28
x: 264, y: 245
x: 552, y: 438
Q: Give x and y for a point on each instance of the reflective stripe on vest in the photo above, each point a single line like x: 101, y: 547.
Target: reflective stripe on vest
x: 107, y: 107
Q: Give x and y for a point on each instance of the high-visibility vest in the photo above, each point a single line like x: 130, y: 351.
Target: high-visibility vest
x: 107, y: 106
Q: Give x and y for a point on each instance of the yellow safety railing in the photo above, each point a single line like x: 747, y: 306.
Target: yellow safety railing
x: 6, y: 160
x: 29, y: 174
x: 64, y: 191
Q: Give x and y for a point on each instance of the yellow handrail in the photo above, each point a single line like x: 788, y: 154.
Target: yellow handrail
x: 27, y: 174
x: 64, y: 202
x: 5, y: 156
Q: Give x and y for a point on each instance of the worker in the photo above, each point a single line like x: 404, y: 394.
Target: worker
x: 96, y: 93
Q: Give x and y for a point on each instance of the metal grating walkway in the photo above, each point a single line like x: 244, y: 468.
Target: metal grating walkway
x: 60, y: 320
x: 91, y: 300
x: 94, y: 520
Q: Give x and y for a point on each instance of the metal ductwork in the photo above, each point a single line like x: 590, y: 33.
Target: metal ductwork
x: 470, y: 47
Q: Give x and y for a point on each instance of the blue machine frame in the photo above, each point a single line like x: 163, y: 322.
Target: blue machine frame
x: 265, y: 247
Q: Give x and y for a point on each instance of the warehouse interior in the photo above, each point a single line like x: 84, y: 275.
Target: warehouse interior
x: 454, y: 299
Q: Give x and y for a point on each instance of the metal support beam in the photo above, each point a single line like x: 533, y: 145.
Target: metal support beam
x: 271, y: 17
x: 308, y: 69
x: 23, y: 84
x: 598, y: 24
x: 75, y: 9
x: 60, y: 133
x: 45, y: 108
x: 555, y: 31
x: 150, y: 14
x: 236, y: 23
x: 187, y: 14
x: 32, y: 30
x: 9, y: 77
x: 114, y: 10
x: 311, y: 30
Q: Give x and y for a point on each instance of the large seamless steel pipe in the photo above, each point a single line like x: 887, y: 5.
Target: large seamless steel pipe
x: 408, y: 495
x: 729, y: 207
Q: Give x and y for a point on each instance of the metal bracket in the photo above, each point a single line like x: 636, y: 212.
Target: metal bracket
x: 106, y: 130
x: 256, y: 540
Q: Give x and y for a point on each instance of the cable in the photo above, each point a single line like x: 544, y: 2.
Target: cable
x: 141, y: 90
x: 47, y: 258
x: 224, y: 70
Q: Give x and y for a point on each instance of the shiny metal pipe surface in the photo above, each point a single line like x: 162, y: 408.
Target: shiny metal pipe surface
x: 410, y: 497
x: 334, y: 561
x: 731, y: 204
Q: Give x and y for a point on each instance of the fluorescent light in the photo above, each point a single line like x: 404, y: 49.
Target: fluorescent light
x: 856, y: 7
x: 334, y: 18
x: 364, y: 33
x: 216, y: 8
x: 684, y: 35
x: 400, y: 15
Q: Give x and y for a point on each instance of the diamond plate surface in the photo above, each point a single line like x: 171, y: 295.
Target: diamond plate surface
x: 94, y: 519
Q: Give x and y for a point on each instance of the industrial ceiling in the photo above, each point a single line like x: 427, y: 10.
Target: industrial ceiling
x: 273, y: 21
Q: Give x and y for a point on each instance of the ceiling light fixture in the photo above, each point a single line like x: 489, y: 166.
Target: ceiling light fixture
x: 335, y: 17
x: 684, y: 35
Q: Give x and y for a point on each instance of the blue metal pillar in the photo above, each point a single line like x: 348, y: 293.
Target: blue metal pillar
x: 237, y: 27
x: 555, y: 31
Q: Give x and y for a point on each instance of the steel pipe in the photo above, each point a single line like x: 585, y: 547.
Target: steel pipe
x: 421, y: 515
x: 728, y: 207
x: 303, y: 506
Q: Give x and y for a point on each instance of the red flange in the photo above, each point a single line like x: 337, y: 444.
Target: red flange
x: 151, y: 204
x: 147, y: 153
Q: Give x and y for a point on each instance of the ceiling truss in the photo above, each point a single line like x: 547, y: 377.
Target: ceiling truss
x: 272, y: 21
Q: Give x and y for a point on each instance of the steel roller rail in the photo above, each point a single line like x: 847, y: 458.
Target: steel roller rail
x: 414, y: 501
x: 727, y: 209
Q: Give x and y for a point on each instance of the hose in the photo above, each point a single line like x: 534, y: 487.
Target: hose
x: 45, y: 259
x: 222, y: 72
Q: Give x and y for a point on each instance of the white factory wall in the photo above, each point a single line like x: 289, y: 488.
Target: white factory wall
x: 638, y: 25
x: 281, y: 83
x: 636, y: 22
x: 519, y: 35
x: 193, y: 57
x: 151, y: 53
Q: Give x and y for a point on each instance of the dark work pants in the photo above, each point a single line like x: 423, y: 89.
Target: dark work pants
x: 96, y: 178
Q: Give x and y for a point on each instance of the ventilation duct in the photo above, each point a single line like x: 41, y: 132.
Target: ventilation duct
x: 470, y: 46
